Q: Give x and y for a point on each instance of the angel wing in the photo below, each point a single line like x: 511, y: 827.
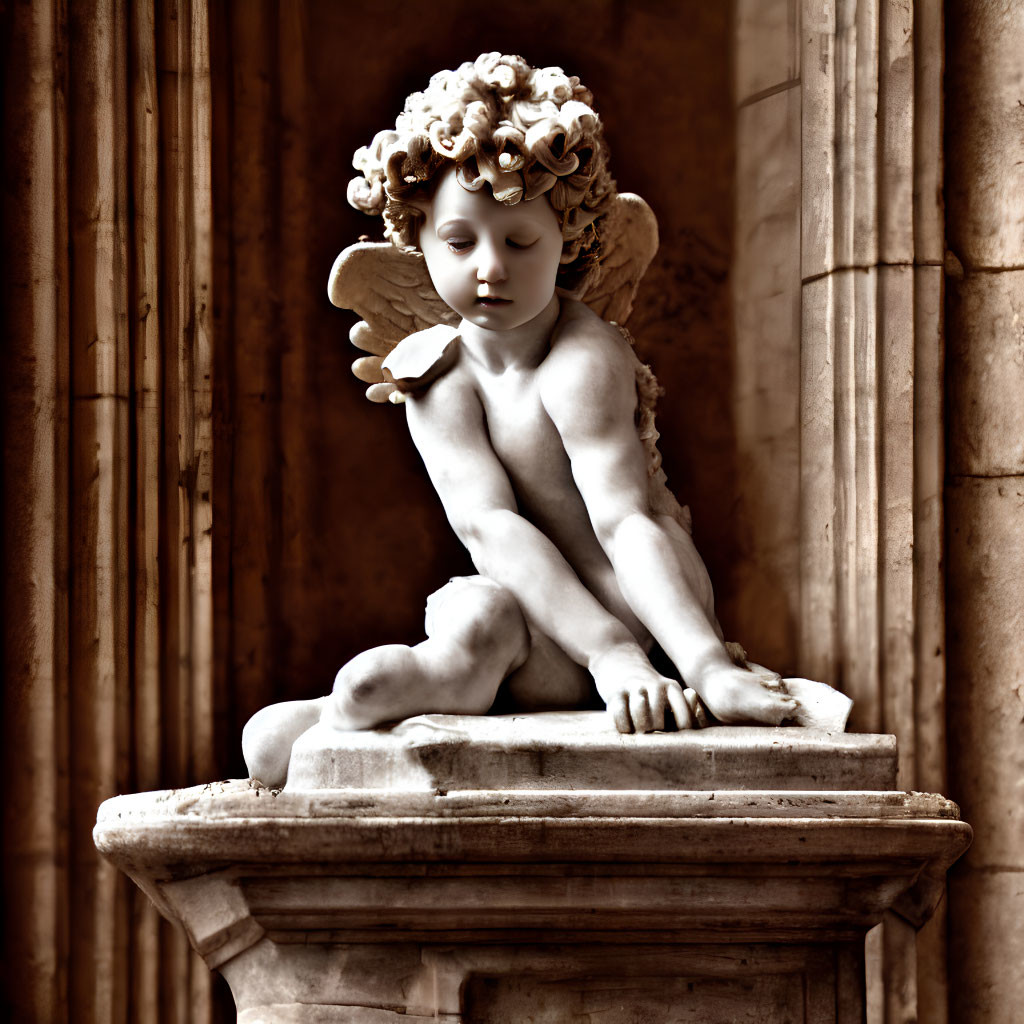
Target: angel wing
x: 629, y: 240
x: 392, y: 292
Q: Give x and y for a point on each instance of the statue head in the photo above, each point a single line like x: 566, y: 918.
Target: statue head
x: 519, y: 131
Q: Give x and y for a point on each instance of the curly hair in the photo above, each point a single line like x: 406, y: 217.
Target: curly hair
x: 523, y: 131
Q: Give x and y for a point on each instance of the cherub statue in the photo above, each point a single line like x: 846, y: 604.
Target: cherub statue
x: 495, y: 313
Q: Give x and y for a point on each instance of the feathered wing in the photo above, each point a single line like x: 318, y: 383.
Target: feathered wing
x: 629, y: 240
x: 393, y: 294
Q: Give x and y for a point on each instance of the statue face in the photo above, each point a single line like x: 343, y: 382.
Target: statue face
x: 494, y: 265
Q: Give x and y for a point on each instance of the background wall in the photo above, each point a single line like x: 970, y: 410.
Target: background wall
x: 106, y: 419
x: 838, y: 296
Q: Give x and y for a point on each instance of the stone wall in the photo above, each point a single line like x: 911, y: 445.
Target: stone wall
x: 107, y: 427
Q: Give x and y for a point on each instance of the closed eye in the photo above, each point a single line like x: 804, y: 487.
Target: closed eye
x: 459, y: 244
x: 513, y: 244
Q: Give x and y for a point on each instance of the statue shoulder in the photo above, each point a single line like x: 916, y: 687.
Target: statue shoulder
x: 590, y: 363
x: 421, y: 358
x: 585, y: 349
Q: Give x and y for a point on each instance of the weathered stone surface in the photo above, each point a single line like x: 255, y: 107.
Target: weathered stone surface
x: 985, y: 532
x: 766, y: 381
x: 985, y: 370
x: 895, y: 127
x: 987, y: 983
x: 818, y: 139
x: 929, y: 540
x: 895, y: 498
x: 928, y: 98
x: 582, y: 750
x: 932, y: 970
x: 220, y: 804
x: 371, y: 906
x: 638, y: 997
x: 767, y: 46
x: 984, y: 192
x: 985, y: 152
x: 818, y: 613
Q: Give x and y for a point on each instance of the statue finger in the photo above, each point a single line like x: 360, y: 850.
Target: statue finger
x: 680, y: 709
x: 698, y: 713
x: 380, y: 392
x: 657, y: 700
x: 640, y: 711
x: 618, y: 708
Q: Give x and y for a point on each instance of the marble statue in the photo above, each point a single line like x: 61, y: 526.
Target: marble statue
x: 495, y: 313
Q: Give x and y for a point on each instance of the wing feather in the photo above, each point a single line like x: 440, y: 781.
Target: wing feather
x: 629, y: 240
x: 390, y: 290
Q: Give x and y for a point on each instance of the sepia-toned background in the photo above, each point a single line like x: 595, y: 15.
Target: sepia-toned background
x: 202, y: 513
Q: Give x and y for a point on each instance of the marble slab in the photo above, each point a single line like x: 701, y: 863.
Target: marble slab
x: 581, y: 751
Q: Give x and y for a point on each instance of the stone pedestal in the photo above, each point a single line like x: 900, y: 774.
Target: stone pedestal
x: 545, y: 869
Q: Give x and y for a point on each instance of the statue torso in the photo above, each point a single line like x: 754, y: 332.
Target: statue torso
x: 529, y: 447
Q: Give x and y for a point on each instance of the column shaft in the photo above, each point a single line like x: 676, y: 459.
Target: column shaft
x: 985, y: 501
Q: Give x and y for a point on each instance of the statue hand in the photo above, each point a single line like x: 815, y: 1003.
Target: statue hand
x: 637, y: 696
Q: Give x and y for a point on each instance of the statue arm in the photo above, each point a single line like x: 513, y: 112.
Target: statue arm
x: 589, y: 391
x: 448, y: 428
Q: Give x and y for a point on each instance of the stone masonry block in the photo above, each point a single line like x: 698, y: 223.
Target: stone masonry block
x: 985, y: 371
x: 985, y: 152
x: 985, y: 621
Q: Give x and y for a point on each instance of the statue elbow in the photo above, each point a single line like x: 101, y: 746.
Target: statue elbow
x: 613, y: 529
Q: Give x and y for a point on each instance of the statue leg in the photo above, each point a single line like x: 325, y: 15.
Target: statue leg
x: 476, y: 639
x: 549, y: 680
x: 476, y: 636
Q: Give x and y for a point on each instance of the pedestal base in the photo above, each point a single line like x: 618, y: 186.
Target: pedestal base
x: 554, y: 905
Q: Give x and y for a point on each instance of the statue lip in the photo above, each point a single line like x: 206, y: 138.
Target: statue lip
x: 493, y: 300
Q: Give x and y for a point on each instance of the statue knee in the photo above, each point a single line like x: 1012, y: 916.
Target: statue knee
x: 497, y: 607
x: 364, y: 688
x: 467, y: 599
x: 356, y: 688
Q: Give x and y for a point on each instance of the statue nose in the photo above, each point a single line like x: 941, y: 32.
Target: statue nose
x: 490, y: 268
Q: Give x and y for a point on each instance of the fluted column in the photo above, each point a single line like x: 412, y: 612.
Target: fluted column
x: 871, y: 606
x: 985, y: 501
x: 107, y: 485
x: 35, y: 525
x: 838, y: 298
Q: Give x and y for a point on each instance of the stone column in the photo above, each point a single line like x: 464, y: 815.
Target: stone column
x: 871, y: 611
x: 107, y: 427
x: 985, y: 500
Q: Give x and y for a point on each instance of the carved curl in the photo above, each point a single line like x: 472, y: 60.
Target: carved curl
x: 523, y: 131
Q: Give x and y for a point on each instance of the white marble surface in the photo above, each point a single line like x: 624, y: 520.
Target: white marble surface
x: 370, y: 905
x: 581, y: 750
